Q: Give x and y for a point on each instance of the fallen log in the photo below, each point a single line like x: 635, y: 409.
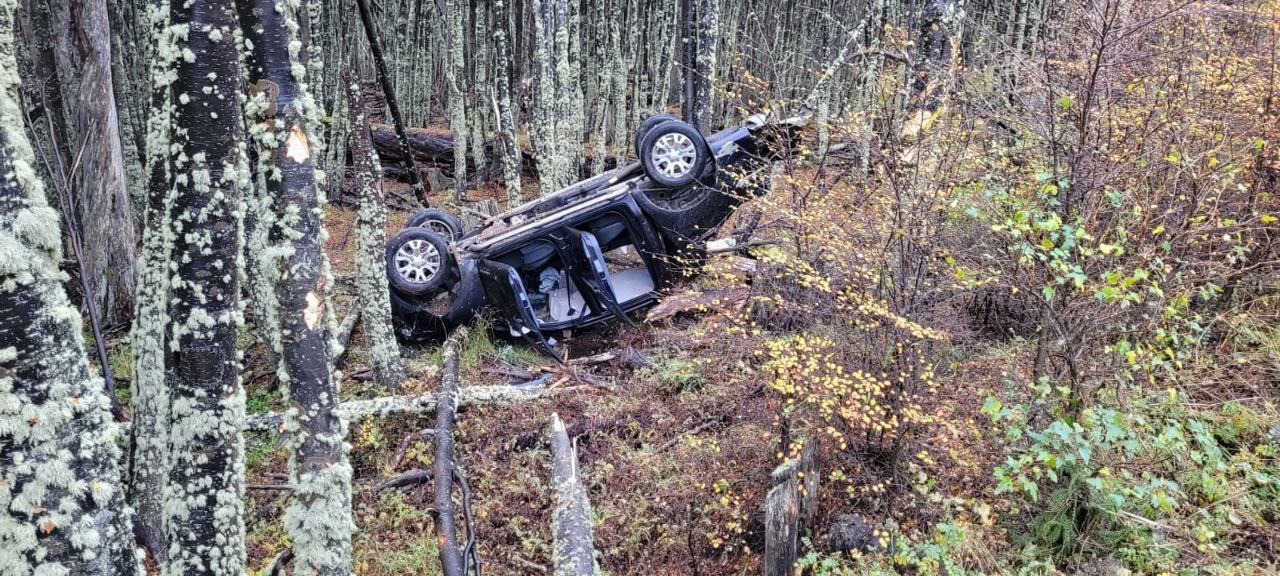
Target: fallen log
x: 432, y: 150
x: 572, y: 552
x: 694, y: 301
x: 353, y: 410
x: 424, y: 145
x: 446, y: 409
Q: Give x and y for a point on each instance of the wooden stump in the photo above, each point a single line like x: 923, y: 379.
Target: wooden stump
x: 788, y: 509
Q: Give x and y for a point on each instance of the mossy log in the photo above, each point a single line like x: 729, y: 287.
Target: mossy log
x: 355, y: 410
x: 446, y: 411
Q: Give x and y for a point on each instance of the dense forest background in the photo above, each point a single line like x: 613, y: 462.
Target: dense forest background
x: 1010, y: 305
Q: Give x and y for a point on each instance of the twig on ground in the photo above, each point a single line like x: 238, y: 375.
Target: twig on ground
x: 412, y: 477
x: 703, y: 427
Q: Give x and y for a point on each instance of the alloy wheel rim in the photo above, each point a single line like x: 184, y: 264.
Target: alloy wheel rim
x: 440, y: 228
x: 673, y: 155
x: 417, y: 261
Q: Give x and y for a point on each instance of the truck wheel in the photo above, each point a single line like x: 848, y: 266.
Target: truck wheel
x: 674, y: 154
x: 417, y: 261
x: 647, y: 124
x: 444, y: 224
x: 431, y: 318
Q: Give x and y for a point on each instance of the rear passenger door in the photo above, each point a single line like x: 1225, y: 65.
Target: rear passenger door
x: 507, y: 296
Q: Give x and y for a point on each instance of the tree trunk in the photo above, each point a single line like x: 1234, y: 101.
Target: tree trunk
x: 203, y: 498
x: 102, y: 207
x: 508, y: 145
x: 552, y: 170
x: 707, y: 24
x: 454, y: 71
x: 371, y: 239
x: 63, y: 509
x: 148, y: 472
x: 318, y: 518
x: 688, y: 60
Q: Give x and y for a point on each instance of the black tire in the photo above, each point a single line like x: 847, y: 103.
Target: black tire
x: 418, y: 261
x: 674, y: 154
x: 647, y: 124
x: 417, y: 319
x: 444, y: 224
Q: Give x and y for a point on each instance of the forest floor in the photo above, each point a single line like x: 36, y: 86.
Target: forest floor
x: 676, y: 454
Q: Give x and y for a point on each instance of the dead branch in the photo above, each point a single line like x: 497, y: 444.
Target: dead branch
x: 697, y: 301
x: 412, y: 477
x: 703, y: 427
x: 353, y: 410
x: 572, y: 552
x: 345, y: 329
x: 530, y: 565
x: 280, y: 565
x: 741, y: 246
x: 470, y: 558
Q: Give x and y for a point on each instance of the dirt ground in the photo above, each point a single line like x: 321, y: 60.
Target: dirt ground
x: 676, y: 454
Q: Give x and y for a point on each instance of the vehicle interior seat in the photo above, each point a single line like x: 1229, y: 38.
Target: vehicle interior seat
x: 609, y: 231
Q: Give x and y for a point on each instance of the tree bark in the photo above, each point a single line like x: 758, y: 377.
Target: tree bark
x: 707, y: 32
x: 148, y: 471
x: 318, y: 518
x: 62, y: 506
x: 103, y: 210
x: 454, y: 72
x: 203, y: 497
x: 371, y: 239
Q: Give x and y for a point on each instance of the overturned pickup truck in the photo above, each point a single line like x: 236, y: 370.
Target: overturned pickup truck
x: 598, y: 249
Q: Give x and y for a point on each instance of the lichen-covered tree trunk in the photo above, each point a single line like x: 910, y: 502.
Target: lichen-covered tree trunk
x: 706, y: 40
x: 104, y: 212
x: 371, y: 241
x: 454, y: 72
x: 558, y: 120
x: 573, y: 118
x: 478, y: 96
x: 508, y: 145
x: 203, y: 505
x: 623, y: 56
x: 150, y: 395
x: 543, y: 128
x: 318, y: 518
x: 61, y: 500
